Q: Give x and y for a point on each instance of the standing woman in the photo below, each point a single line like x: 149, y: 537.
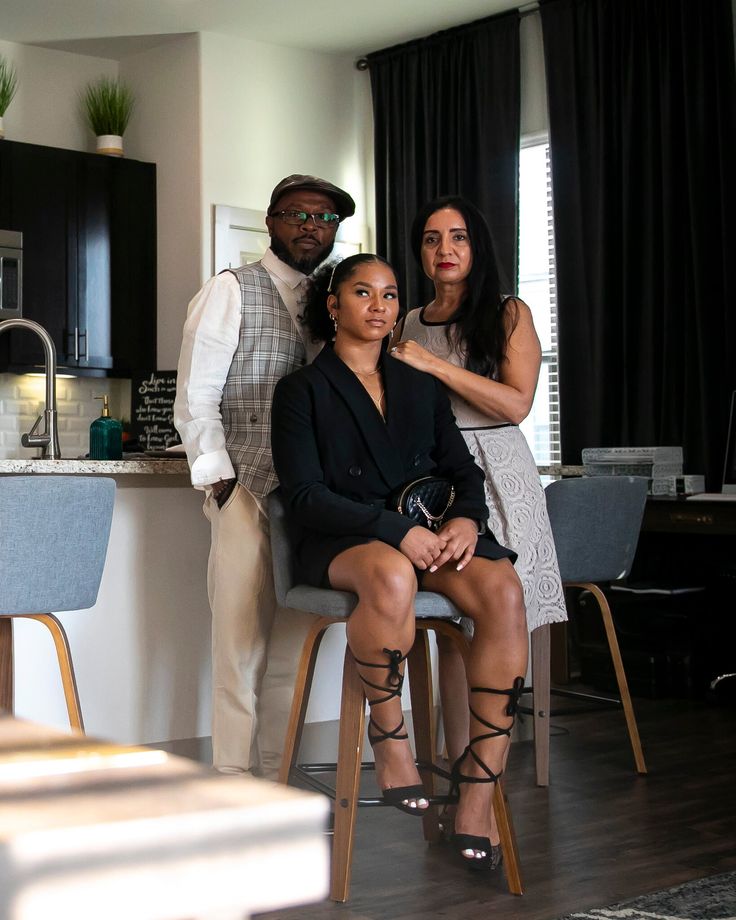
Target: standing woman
x: 483, y: 346
x: 347, y: 431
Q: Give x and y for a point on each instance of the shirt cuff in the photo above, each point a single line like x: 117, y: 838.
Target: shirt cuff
x: 211, y: 467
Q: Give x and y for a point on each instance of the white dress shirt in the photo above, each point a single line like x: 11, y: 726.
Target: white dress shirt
x: 210, y: 339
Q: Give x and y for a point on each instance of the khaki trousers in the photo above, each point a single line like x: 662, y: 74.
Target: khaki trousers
x: 255, y: 643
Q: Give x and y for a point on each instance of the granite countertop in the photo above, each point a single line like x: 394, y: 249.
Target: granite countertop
x: 100, y: 467
x: 148, y: 466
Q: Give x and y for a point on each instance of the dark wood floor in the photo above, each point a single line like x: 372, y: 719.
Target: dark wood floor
x: 597, y: 835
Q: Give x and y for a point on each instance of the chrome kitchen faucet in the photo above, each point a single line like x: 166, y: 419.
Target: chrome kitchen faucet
x: 48, y: 439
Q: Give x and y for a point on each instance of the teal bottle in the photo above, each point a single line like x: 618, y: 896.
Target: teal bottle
x: 105, y: 435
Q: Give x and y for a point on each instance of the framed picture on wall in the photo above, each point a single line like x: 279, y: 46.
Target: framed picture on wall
x: 241, y: 237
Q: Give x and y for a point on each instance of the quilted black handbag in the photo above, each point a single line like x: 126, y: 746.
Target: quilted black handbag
x: 425, y: 501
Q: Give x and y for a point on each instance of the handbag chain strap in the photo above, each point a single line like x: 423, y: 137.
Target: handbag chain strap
x: 435, y: 517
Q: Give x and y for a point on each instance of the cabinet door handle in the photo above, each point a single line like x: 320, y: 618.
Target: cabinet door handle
x: 83, y: 335
x: 76, y: 343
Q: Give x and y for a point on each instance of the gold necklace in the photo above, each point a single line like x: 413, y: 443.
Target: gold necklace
x: 381, y: 392
x: 377, y: 402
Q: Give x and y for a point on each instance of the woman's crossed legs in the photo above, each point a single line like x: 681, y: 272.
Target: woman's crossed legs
x: 487, y: 591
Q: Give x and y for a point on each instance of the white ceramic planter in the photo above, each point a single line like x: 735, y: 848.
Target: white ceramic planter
x: 2, y: 129
x: 110, y: 144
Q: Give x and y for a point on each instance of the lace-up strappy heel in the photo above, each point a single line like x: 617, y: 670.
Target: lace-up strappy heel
x: 398, y: 796
x: 492, y: 853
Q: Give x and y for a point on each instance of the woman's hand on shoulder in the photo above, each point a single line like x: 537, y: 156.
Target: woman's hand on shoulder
x: 416, y: 356
x: 422, y: 547
x: 460, y: 536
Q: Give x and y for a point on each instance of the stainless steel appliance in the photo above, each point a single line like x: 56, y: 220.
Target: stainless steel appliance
x: 11, y: 274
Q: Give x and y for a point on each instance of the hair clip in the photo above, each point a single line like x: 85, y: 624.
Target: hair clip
x: 332, y: 276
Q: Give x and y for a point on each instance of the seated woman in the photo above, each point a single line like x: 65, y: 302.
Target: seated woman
x: 347, y: 432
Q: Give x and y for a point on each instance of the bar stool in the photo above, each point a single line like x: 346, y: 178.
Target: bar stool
x: 54, y: 532
x: 595, y: 524
x: 434, y: 612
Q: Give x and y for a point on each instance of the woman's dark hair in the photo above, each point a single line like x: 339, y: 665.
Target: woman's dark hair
x: 327, y: 281
x: 479, y: 324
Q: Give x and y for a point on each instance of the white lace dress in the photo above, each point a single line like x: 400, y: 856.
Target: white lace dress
x: 514, y: 494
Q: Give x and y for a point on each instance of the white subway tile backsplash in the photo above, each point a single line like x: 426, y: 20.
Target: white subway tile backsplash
x: 22, y: 400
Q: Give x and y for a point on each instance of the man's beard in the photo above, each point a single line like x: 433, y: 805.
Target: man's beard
x: 306, y: 264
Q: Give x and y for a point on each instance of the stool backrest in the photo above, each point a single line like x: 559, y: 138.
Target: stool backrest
x: 281, y: 554
x: 595, y: 524
x: 54, y: 532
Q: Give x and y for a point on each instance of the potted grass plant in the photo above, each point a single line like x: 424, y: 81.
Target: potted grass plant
x: 8, y: 87
x: 108, y: 105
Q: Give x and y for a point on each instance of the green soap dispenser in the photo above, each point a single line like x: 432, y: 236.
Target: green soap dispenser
x: 105, y: 435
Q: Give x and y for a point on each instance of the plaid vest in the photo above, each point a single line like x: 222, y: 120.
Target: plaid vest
x: 269, y: 348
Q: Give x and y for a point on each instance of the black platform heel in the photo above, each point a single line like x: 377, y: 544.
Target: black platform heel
x: 492, y: 854
x: 397, y: 796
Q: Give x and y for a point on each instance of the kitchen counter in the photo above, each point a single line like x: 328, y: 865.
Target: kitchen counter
x: 95, y: 467
x: 134, y: 472
x: 177, y: 466
x: 142, y: 654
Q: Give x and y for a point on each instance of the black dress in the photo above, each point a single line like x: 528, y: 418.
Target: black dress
x: 337, y: 460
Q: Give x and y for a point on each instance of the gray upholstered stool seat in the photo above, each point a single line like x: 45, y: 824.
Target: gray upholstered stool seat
x: 54, y: 532
x: 434, y: 612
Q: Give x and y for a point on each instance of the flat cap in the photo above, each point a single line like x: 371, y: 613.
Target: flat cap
x: 343, y: 202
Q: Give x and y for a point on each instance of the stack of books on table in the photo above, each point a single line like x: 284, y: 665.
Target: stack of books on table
x: 662, y: 466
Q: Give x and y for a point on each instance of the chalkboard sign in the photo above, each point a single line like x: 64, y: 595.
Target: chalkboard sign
x: 152, y: 410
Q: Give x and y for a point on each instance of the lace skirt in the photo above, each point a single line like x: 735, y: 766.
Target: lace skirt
x: 518, y: 518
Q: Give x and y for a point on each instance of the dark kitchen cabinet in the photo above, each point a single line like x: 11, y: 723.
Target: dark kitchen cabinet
x: 89, y: 257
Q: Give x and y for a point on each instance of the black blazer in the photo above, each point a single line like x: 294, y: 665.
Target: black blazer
x: 337, y: 461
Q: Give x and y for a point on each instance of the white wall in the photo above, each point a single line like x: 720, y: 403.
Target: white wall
x: 166, y: 130
x: 46, y: 107
x: 268, y: 112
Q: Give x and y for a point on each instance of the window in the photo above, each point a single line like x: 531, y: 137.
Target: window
x: 537, y: 286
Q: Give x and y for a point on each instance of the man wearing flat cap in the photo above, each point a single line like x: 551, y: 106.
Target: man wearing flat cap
x: 241, y: 336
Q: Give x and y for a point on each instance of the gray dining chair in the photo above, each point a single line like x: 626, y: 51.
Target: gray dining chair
x: 595, y: 524
x: 54, y: 532
x: 434, y: 612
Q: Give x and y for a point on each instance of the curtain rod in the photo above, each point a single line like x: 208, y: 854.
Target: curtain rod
x: 526, y: 10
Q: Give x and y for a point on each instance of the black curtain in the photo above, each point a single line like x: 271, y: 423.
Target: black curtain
x: 641, y: 101
x: 446, y: 121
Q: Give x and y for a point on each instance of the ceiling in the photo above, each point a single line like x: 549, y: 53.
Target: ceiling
x: 115, y: 28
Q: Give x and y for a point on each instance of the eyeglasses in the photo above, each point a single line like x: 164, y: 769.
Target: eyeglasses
x: 323, y: 219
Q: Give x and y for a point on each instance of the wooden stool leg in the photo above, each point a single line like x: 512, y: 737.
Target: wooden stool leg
x: 500, y: 806
x: 540, y: 701
x: 508, y: 840
x: 347, y: 786
x: 420, y: 685
x: 623, y: 686
x: 299, y: 703
x: 64, y: 656
x: 6, y: 665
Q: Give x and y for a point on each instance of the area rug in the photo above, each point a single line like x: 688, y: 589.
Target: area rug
x: 711, y: 898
